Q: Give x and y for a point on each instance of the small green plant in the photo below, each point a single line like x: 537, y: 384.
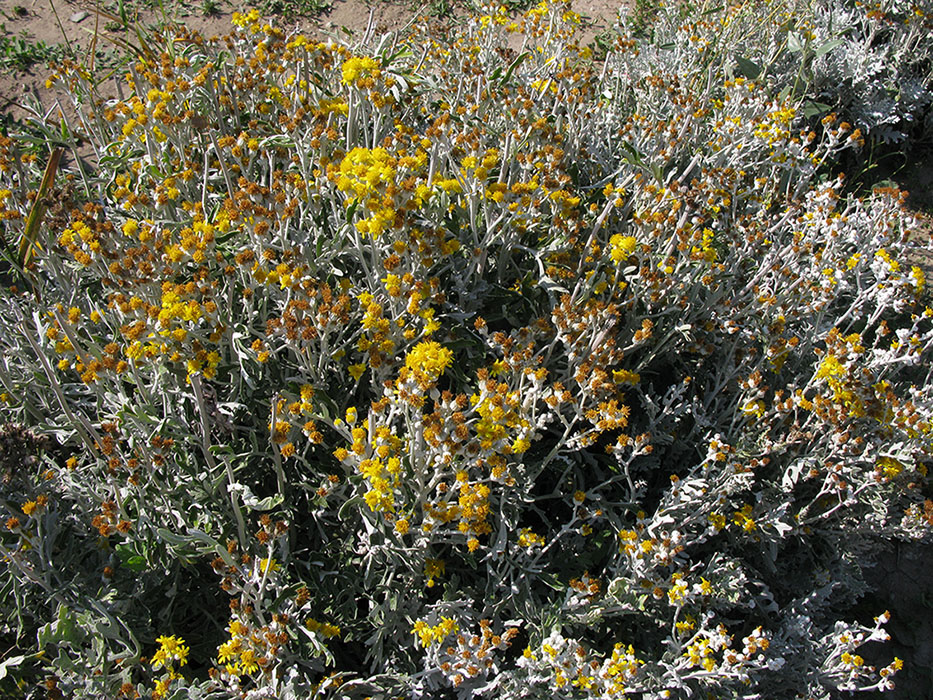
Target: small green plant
x: 440, y: 8
x: 602, y: 44
x: 642, y: 17
x: 518, y: 5
x: 289, y: 9
x: 20, y: 52
x: 210, y: 8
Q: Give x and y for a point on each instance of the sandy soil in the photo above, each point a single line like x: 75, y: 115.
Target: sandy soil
x: 78, y: 25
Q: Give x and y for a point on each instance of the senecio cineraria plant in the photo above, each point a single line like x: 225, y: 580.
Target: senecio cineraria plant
x: 473, y: 366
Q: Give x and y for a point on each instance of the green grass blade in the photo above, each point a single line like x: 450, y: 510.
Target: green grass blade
x: 34, y: 221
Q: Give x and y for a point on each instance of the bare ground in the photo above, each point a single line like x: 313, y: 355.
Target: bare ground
x: 84, y: 28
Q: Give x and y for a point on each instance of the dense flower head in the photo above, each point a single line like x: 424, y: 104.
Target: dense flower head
x: 172, y: 651
x: 358, y: 67
x: 427, y: 361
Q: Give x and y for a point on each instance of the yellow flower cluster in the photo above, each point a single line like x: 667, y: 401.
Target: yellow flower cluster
x: 498, y: 415
x: 244, y: 20
x: 172, y: 650
x: 378, y: 461
x: 364, y: 172
x: 429, y: 635
x: 622, y: 247
x: 775, y: 127
x: 844, y: 386
x: 743, y: 518
x: 426, y: 362
x: 325, y: 629
x: 622, y: 668
x: 433, y: 569
x: 241, y: 655
x: 702, y: 654
x: 356, y: 69
x: 371, y: 177
x: 527, y: 538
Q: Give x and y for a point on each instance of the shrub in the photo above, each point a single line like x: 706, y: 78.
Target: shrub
x: 477, y: 367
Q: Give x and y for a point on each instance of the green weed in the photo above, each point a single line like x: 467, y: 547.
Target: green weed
x: 210, y: 8
x: 643, y: 15
x: 295, y: 8
x: 20, y: 52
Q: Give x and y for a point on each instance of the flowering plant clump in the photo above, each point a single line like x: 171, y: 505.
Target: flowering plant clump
x: 473, y: 367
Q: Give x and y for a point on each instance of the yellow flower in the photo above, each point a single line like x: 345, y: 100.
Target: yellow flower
x: 889, y: 466
x: 266, y: 564
x: 171, y: 649
x: 248, y: 661
x: 356, y: 371
x: 450, y: 185
x: 433, y: 568
x: 429, y: 635
x: 393, y: 285
x: 242, y: 20
x: 623, y: 376
x: 325, y: 629
x: 359, y: 67
x: 622, y: 246
x: 428, y: 360
x: 228, y: 651
x: 528, y: 538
